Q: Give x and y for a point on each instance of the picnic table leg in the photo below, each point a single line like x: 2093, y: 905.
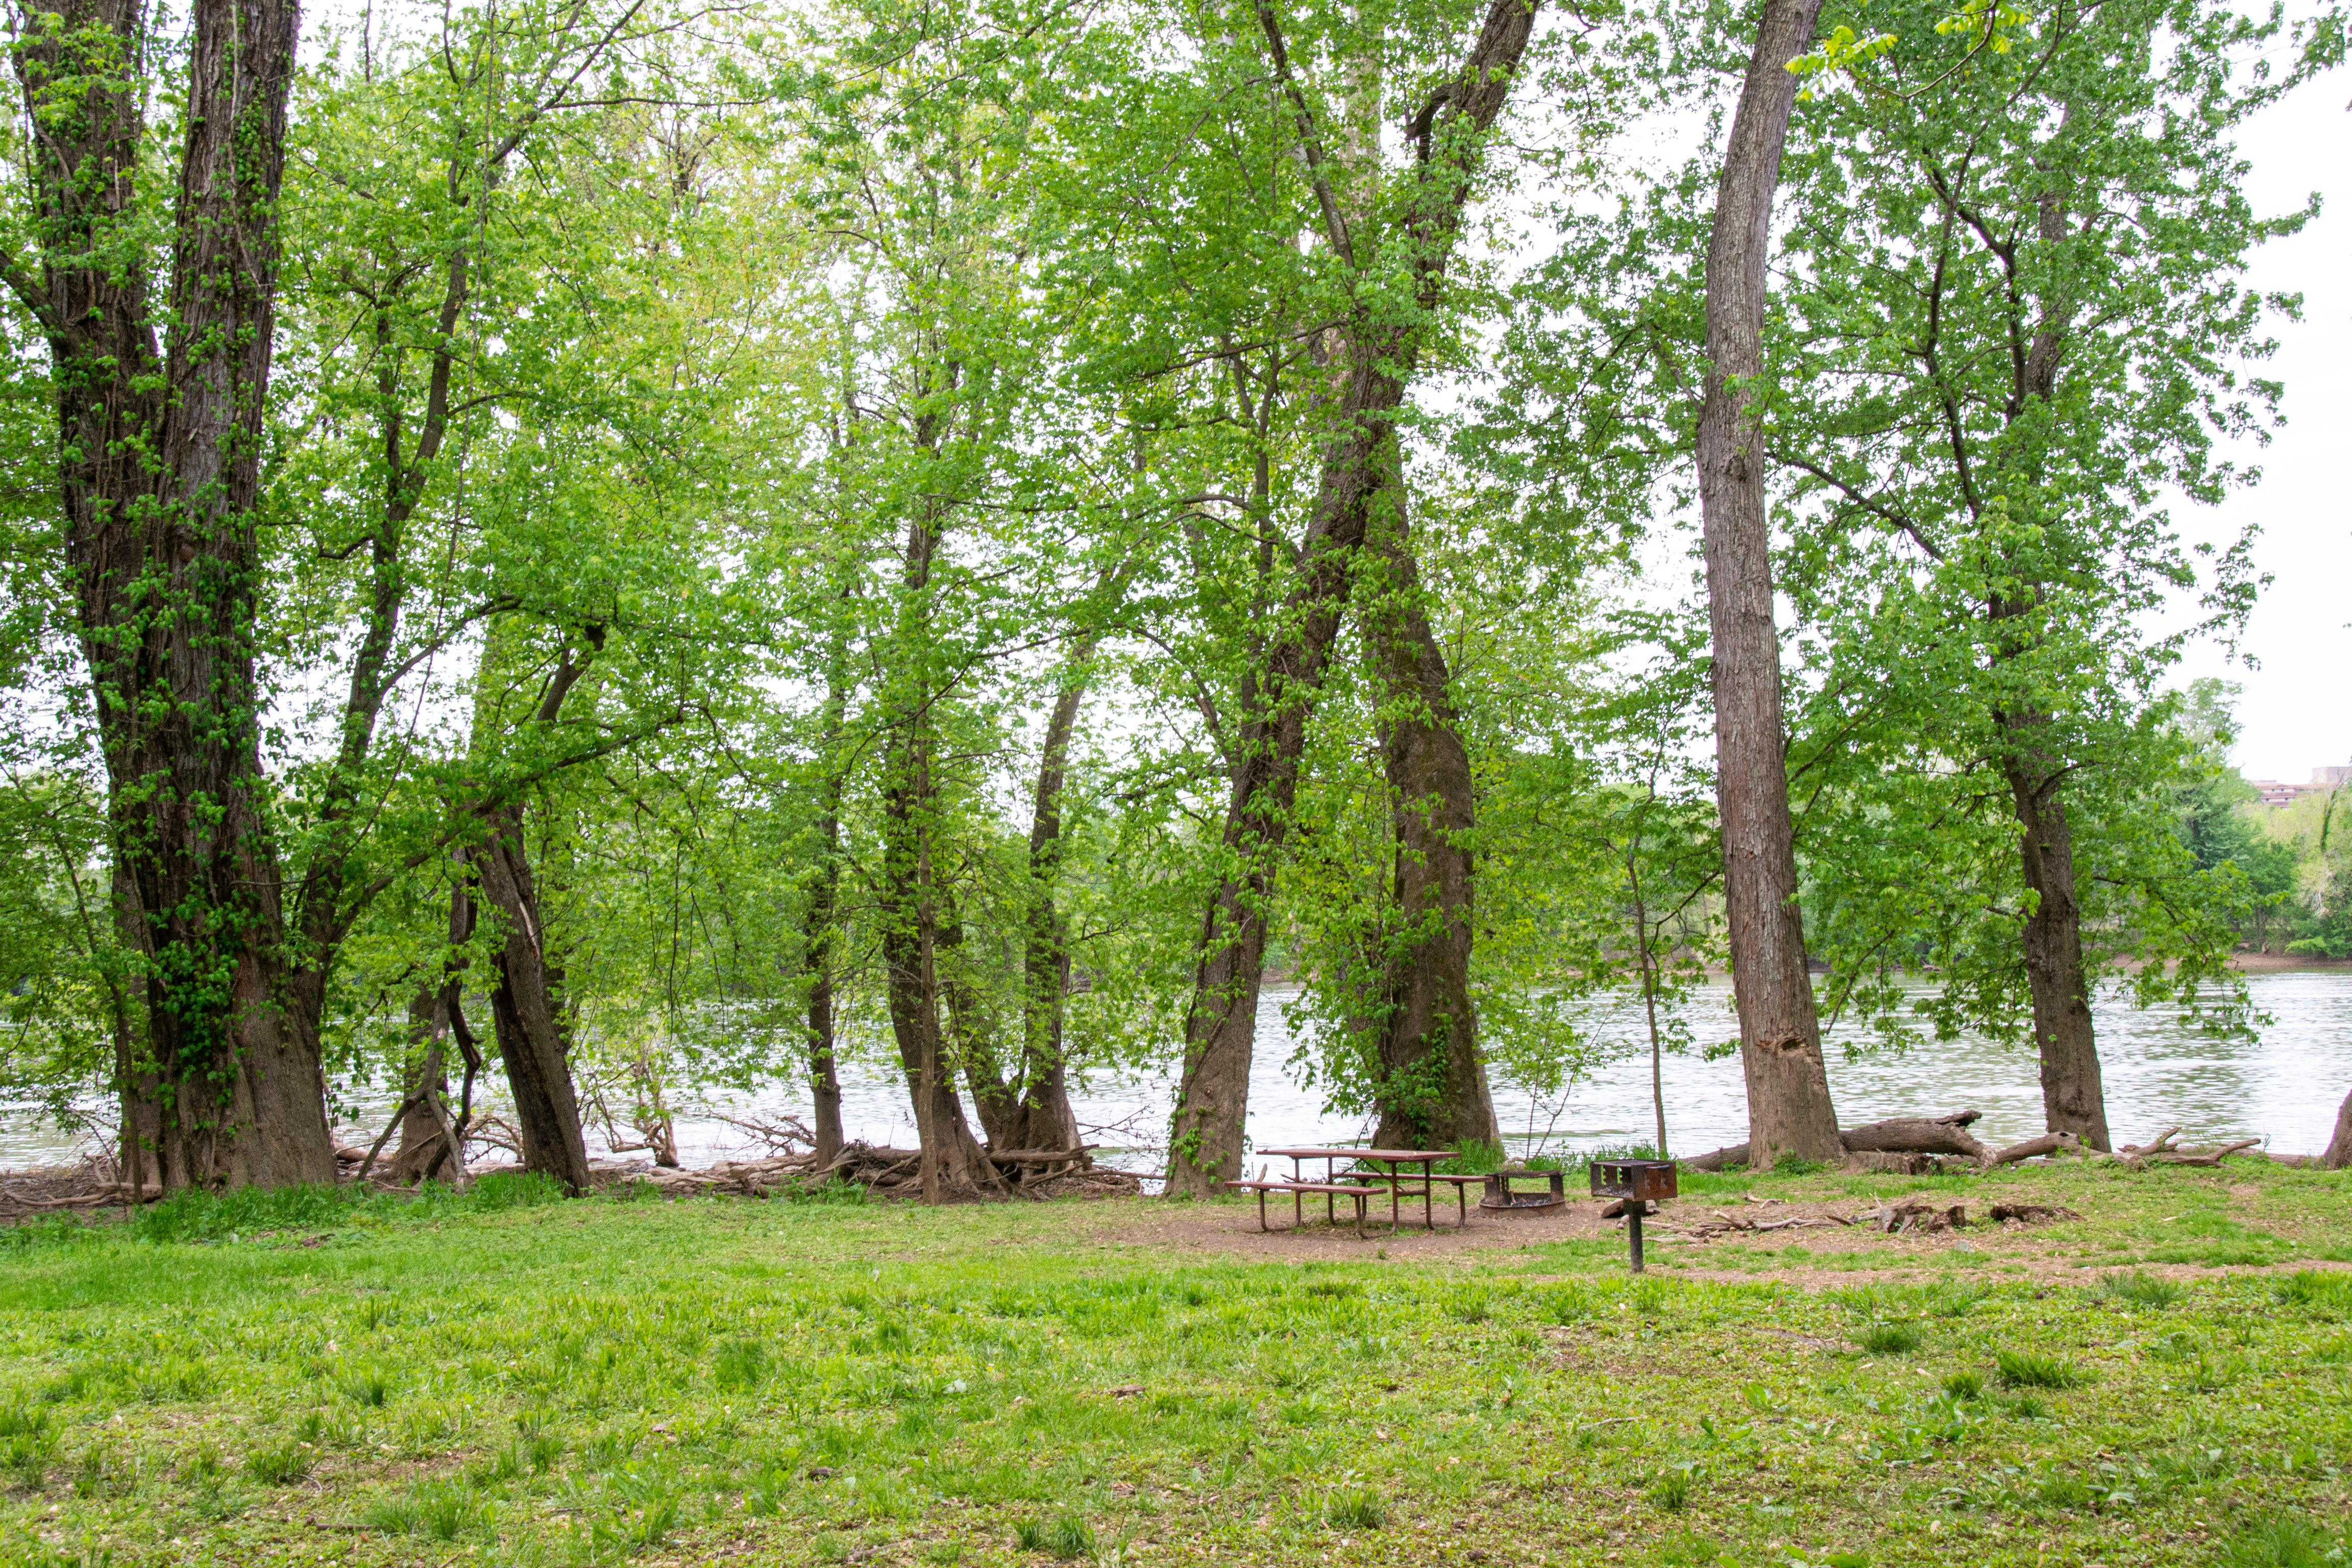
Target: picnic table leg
x: 1461, y: 1201
x: 1359, y: 1212
x: 1428, y: 1197
x: 1395, y: 1182
x: 1261, y: 1208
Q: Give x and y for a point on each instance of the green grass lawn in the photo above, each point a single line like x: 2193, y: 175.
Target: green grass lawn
x: 505, y: 1379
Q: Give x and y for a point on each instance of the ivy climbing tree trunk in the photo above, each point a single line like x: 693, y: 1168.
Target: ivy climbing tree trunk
x: 1379, y: 351
x: 1434, y: 1092
x: 1789, y: 1108
x: 160, y: 469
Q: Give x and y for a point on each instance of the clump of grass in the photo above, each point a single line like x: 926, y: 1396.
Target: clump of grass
x: 1066, y: 1536
x: 1888, y: 1339
x: 2030, y: 1368
x: 1964, y: 1385
x: 2316, y: 1288
x: 369, y: 1389
x: 1334, y: 1289
x: 1650, y: 1299
x: 1567, y: 1304
x: 1473, y: 1307
x: 1672, y: 1491
x: 27, y: 1442
x: 2139, y: 1290
x: 442, y: 1511
x: 1358, y: 1508
x: 742, y: 1365
x: 279, y: 1463
x: 2028, y: 1408
x: 2281, y: 1541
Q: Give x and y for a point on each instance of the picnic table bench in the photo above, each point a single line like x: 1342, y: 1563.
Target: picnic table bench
x: 1360, y: 1178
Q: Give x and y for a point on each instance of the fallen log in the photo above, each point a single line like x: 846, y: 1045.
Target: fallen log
x: 1917, y: 1135
x: 2033, y: 1148
x: 1896, y: 1135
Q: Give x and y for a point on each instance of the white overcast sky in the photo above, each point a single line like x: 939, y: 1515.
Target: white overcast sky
x: 2296, y: 712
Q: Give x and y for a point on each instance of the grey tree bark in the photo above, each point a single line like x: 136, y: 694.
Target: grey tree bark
x: 2339, y: 1148
x: 1220, y: 1033
x: 1790, y: 1113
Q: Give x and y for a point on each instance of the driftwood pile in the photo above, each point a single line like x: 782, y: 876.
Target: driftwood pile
x: 1916, y: 1145
x: 1910, y: 1216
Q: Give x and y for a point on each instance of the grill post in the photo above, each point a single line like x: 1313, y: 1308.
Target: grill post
x: 1634, y: 1183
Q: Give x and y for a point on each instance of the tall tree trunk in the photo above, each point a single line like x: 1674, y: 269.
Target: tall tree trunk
x: 1046, y: 1120
x: 2339, y: 1148
x: 2072, y: 1097
x: 821, y: 937
x: 160, y: 469
x: 1434, y: 1092
x: 1219, y: 1030
x: 952, y: 1164
x: 1789, y: 1108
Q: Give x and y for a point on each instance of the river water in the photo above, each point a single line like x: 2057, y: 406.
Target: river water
x: 2160, y: 1071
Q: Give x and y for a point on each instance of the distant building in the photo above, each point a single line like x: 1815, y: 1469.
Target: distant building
x: 2274, y: 793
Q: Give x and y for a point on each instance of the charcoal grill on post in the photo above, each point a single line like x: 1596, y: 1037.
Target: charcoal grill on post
x: 1639, y: 1183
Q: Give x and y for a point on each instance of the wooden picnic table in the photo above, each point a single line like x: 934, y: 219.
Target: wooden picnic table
x: 1395, y: 1176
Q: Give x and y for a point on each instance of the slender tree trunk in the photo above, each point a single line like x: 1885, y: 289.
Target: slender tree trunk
x: 821, y: 939
x: 2339, y: 1148
x: 160, y: 469
x: 824, y: 1077
x: 1789, y: 1108
x: 1046, y: 1120
x: 2072, y: 1097
x: 1219, y: 1030
x: 952, y: 1164
x: 1434, y: 1092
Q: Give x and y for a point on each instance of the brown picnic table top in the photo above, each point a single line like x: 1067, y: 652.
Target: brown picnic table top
x: 1386, y: 1156
x: 1395, y: 1178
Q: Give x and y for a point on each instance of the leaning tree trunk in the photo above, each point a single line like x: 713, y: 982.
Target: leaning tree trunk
x: 527, y: 1008
x: 1220, y: 1026
x: 2339, y: 1148
x: 160, y: 473
x: 1789, y: 1109
x: 1433, y: 1080
x: 2072, y: 1097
